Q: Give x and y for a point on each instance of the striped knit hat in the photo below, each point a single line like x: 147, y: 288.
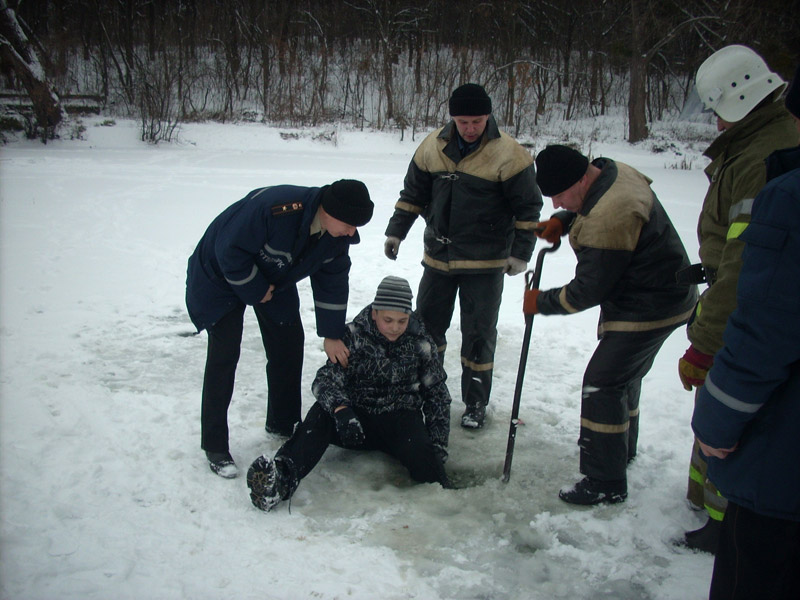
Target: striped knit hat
x: 393, y: 293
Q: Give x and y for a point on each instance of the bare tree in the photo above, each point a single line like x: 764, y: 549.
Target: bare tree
x: 18, y: 50
x: 389, y: 19
x: 386, y: 63
x: 646, y: 41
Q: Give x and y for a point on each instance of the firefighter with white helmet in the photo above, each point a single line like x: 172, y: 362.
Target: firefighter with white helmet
x: 734, y: 80
x: 740, y: 88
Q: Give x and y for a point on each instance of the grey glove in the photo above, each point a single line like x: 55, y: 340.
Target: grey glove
x: 514, y: 266
x: 391, y: 247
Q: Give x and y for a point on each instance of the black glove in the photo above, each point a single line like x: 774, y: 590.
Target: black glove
x: 391, y: 247
x: 351, y: 434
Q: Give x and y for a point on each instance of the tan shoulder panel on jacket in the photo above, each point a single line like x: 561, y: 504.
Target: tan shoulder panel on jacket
x: 616, y: 221
x: 495, y: 160
x: 429, y: 156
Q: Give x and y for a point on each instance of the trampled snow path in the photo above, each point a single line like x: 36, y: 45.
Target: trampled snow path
x: 104, y: 489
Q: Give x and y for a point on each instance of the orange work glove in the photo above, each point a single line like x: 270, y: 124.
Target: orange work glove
x: 550, y: 230
x: 693, y: 368
x: 529, y: 302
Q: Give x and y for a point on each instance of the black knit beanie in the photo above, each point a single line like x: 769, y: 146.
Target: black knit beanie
x: 793, y: 95
x: 470, y: 100
x: 348, y: 201
x: 393, y: 293
x: 559, y: 168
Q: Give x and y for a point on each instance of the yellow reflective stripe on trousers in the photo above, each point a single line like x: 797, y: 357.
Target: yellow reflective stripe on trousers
x: 603, y: 427
x: 696, y: 475
x: 715, y: 505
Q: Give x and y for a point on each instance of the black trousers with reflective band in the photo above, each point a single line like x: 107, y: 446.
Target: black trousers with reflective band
x: 283, y: 345
x: 401, y: 434
x: 612, y: 385
x: 758, y: 557
x: 479, y: 299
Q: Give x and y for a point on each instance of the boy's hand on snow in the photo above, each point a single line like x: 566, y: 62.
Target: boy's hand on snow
x: 336, y: 350
x: 351, y: 434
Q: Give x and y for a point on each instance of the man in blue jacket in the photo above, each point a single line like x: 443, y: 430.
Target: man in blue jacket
x: 254, y: 253
x: 747, y: 415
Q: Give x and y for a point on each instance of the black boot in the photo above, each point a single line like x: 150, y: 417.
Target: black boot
x: 474, y: 416
x: 704, y: 539
x: 590, y: 491
x: 271, y: 481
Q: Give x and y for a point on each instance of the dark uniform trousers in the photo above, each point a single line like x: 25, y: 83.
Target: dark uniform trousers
x: 479, y: 299
x: 612, y: 384
x: 758, y: 557
x: 401, y: 434
x: 284, y: 349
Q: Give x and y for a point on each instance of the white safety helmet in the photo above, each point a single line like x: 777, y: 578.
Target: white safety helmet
x: 733, y: 80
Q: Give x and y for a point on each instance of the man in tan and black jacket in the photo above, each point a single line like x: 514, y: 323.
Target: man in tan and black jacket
x: 628, y: 254
x: 475, y: 186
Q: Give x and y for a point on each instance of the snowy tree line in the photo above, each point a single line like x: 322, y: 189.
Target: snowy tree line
x: 389, y: 63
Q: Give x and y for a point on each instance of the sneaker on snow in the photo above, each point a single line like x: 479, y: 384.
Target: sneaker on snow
x: 270, y: 481
x: 222, y: 464
x: 473, y: 417
x: 590, y: 491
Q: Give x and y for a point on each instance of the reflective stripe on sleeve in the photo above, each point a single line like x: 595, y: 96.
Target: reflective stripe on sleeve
x: 246, y: 280
x: 728, y: 400
x: 328, y: 306
x: 735, y: 230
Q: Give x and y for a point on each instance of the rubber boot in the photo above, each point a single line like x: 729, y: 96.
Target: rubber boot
x: 704, y: 539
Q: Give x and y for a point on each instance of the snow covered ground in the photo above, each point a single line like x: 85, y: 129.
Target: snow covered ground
x: 104, y: 491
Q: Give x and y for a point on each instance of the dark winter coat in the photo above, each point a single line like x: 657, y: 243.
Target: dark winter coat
x: 751, y: 396
x: 628, y: 253
x: 478, y: 209
x: 736, y: 174
x: 384, y: 376
x: 264, y: 239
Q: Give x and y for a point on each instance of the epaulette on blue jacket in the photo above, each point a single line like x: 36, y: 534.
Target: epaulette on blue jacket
x: 262, y: 240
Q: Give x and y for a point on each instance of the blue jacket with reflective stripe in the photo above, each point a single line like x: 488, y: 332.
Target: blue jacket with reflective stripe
x: 265, y: 239
x: 752, y: 393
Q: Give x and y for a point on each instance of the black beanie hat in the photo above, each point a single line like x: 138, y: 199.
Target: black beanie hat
x: 470, y: 100
x: 793, y: 95
x: 559, y: 168
x: 348, y: 201
x: 393, y: 293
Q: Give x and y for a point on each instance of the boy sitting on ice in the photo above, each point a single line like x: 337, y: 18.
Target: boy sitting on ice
x: 391, y: 397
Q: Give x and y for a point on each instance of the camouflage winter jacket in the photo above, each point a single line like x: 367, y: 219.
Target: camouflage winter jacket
x: 384, y: 376
x: 478, y: 209
x: 736, y: 174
